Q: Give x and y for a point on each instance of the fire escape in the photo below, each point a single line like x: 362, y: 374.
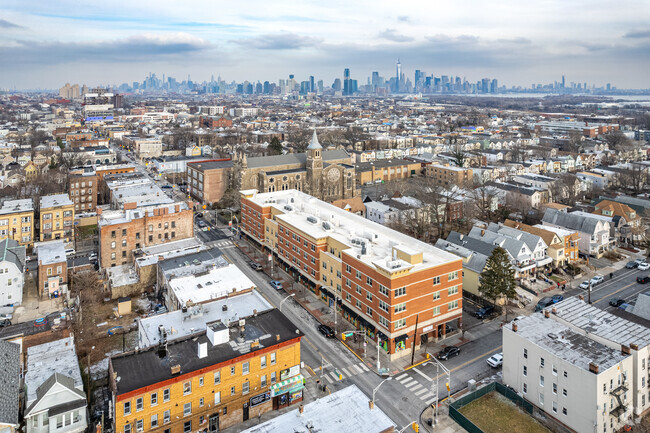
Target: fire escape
x: 618, y: 393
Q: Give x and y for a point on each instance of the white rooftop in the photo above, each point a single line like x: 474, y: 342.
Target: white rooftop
x: 121, y: 216
x: 141, y: 191
x: 346, y: 410
x: 372, y: 243
x: 12, y: 206
x: 152, y: 254
x: 566, y: 343
x: 179, y: 324
x: 215, y: 283
x: 45, y: 359
x: 51, y: 252
x: 556, y: 230
x: 55, y: 200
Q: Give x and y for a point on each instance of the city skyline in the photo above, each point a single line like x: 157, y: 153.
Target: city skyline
x: 50, y: 45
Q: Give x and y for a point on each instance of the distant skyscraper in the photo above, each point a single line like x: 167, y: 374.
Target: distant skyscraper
x: 563, y: 82
x: 311, y: 84
x: 398, y: 75
x: 346, y: 73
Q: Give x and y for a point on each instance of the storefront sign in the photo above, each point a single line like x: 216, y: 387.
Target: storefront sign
x: 295, y: 396
x: 291, y: 385
x: 289, y: 372
x: 427, y: 328
x: 261, y: 398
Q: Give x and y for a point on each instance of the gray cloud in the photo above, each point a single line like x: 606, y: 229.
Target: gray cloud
x: 404, y: 18
x: 279, y: 41
x: 636, y: 34
x: 4, y: 24
x: 392, y: 35
x: 519, y: 40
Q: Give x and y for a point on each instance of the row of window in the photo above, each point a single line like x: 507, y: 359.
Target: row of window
x: 5, y: 222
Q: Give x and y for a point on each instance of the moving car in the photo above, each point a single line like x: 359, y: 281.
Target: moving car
x: 644, y: 266
x: 584, y: 285
x: 543, y: 303
x: 643, y: 280
x: 448, y: 352
x: 597, y: 279
x: 256, y: 266
x: 326, y: 331
x: 484, y: 312
x: 201, y: 223
x: 277, y: 285
x: 631, y: 265
x: 616, y: 302
x: 70, y: 252
x: 495, y: 361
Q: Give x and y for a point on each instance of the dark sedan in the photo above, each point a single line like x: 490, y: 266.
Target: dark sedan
x: 643, y: 280
x: 326, y: 331
x: 616, y: 302
x: 448, y: 352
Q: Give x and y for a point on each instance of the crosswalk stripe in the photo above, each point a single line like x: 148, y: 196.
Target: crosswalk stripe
x: 413, y: 386
x: 345, y: 371
x: 363, y: 366
x: 401, y: 377
x: 420, y: 392
x: 334, y: 376
x: 426, y: 395
x: 407, y: 380
x: 431, y: 400
x: 357, y: 368
x: 328, y: 379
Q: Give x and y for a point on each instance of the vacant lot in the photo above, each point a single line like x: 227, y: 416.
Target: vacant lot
x: 494, y: 413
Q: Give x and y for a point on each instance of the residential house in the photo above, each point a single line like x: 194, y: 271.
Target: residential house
x: 12, y: 270
x: 17, y: 221
x: 10, y: 386
x: 623, y: 216
x: 57, y: 217
x: 559, y: 250
x: 52, y: 268
x: 593, y: 233
x: 474, y: 254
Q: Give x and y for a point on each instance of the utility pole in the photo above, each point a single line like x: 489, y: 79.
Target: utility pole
x: 378, y: 353
x: 589, y: 294
x: 415, y: 335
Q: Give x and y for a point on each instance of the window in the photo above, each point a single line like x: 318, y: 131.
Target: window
x: 245, y: 388
x: 187, y: 409
x: 245, y: 368
x: 541, y: 399
x: 383, y: 290
x: 525, y: 389
x: 272, y: 377
x: 564, y: 411
x: 453, y: 305
x: 525, y: 371
x: 436, y: 311
x: 554, y: 369
x: 541, y: 381
x: 358, y: 275
x: 400, y: 307
x: 154, y: 398
x: 273, y: 358
x: 166, y: 395
x: 225, y: 410
x: 564, y: 392
x: 139, y: 425
x: 358, y: 304
x: 541, y: 362
x: 59, y: 423
x: 452, y: 276
x: 436, y: 281
x: 400, y: 323
x: 166, y: 417
x: 436, y: 295
x: 187, y: 388
x: 525, y: 353
x: 127, y: 408
x: 369, y: 296
x: 348, y: 269
x: 35, y: 420
x: 384, y: 322
x: 384, y: 306
x: 369, y: 281
x: 217, y: 377
x: 232, y: 370
x: 554, y: 404
x: 358, y: 289
x: 400, y: 292
x: 369, y: 311
x: 201, y: 402
x: 566, y: 374
x: 217, y: 397
x: 263, y: 361
x: 154, y: 420
x: 232, y: 390
x: 187, y: 427
x: 452, y: 290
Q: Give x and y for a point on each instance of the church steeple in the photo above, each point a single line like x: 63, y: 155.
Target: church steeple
x: 314, y: 144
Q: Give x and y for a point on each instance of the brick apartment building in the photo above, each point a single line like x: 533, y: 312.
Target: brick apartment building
x: 17, y: 221
x: 385, y: 170
x: 82, y: 188
x: 215, y: 121
x: 124, y: 230
x: 57, y: 217
x: 447, y: 175
x: 383, y: 281
x: 210, y: 380
x: 52, y: 268
x: 208, y: 180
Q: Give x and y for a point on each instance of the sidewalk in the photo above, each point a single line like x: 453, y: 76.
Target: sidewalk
x: 444, y: 425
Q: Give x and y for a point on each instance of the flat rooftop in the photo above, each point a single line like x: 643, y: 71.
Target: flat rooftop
x: 51, y: 252
x: 44, y: 360
x: 565, y: 343
x: 14, y: 206
x: 55, y: 200
x: 141, y: 191
x: 136, y: 370
x: 192, y: 262
x: 121, y: 216
x: 210, y: 165
x: 320, y: 220
x: 179, y: 324
x: 345, y: 410
x: 214, y: 283
x: 153, y: 254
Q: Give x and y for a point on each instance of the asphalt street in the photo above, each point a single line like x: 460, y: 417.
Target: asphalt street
x: 623, y: 285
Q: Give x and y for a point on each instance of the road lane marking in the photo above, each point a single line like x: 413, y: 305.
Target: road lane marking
x: 401, y: 377
x: 413, y: 386
x: 422, y: 374
x: 334, y: 376
x: 615, y: 292
x: 431, y: 400
x: 357, y: 368
x: 407, y: 380
x: 345, y: 371
x: 363, y: 367
x: 420, y: 392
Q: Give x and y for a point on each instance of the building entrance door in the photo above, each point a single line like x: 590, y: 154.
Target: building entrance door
x: 214, y: 422
x: 246, y: 411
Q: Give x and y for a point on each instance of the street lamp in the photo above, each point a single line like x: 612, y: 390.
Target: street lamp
x: 282, y: 302
x: 446, y: 371
x: 374, y: 391
x: 271, y: 251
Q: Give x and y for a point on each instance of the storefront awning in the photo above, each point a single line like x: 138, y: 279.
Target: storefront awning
x: 288, y: 385
x: 401, y: 338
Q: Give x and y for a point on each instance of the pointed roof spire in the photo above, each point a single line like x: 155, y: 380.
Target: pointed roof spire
x: 314, y: 144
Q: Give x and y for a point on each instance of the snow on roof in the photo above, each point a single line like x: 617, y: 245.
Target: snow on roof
x: 44, y: 360
x: 346, y: 410
x: 12, y: 206
x: 55, y: 200
x: 565, y: 343
x: 51, y: 252
x: 372, y: 243
x: 179, y: 324
x: 213, y: 284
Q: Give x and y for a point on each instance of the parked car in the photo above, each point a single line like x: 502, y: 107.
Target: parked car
x: 201, y: 223
x: 518, y: 318
x: 495, y: 361
x: 584, y: 285
x: 277, y: 285
x: 643, y: 280
x: 326, y: 331
x: 484, y: 312
x: 70, y: 252
x: 5, y: 322
x: 597, y: 279
x: 639, y: 260
x: 448, y: 352
x: 631, y: 265
x: 616, y: 302
x: 543, y: 303
x: 557, y: 298
x: 644, y: 266
x: 256, y: 266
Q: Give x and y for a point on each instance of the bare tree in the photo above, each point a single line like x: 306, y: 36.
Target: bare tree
x: 576, y: 139
x: 354, y: 134
x: 298, y: 137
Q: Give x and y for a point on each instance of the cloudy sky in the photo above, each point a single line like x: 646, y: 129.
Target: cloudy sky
x: 48, y: 43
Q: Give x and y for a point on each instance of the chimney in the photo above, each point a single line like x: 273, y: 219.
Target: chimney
x: 547, y: 314
x: 634, y: 346
x: 176, y: 369
x: 514, y: 327
x: 371, y: 404
x: 301, y: 409
x: 593, y: 367
x: 202, y: 350
x: 625, y: 350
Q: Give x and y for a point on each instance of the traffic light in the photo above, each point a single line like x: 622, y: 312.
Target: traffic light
x: 343, y: 336
x: 416, y: 427
x: 448, y: 388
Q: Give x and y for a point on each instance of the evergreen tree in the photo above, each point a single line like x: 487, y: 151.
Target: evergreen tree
x: 498, y: 278
x: 275, y: 147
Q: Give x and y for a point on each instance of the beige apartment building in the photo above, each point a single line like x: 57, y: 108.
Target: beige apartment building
x: 17, y: 221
